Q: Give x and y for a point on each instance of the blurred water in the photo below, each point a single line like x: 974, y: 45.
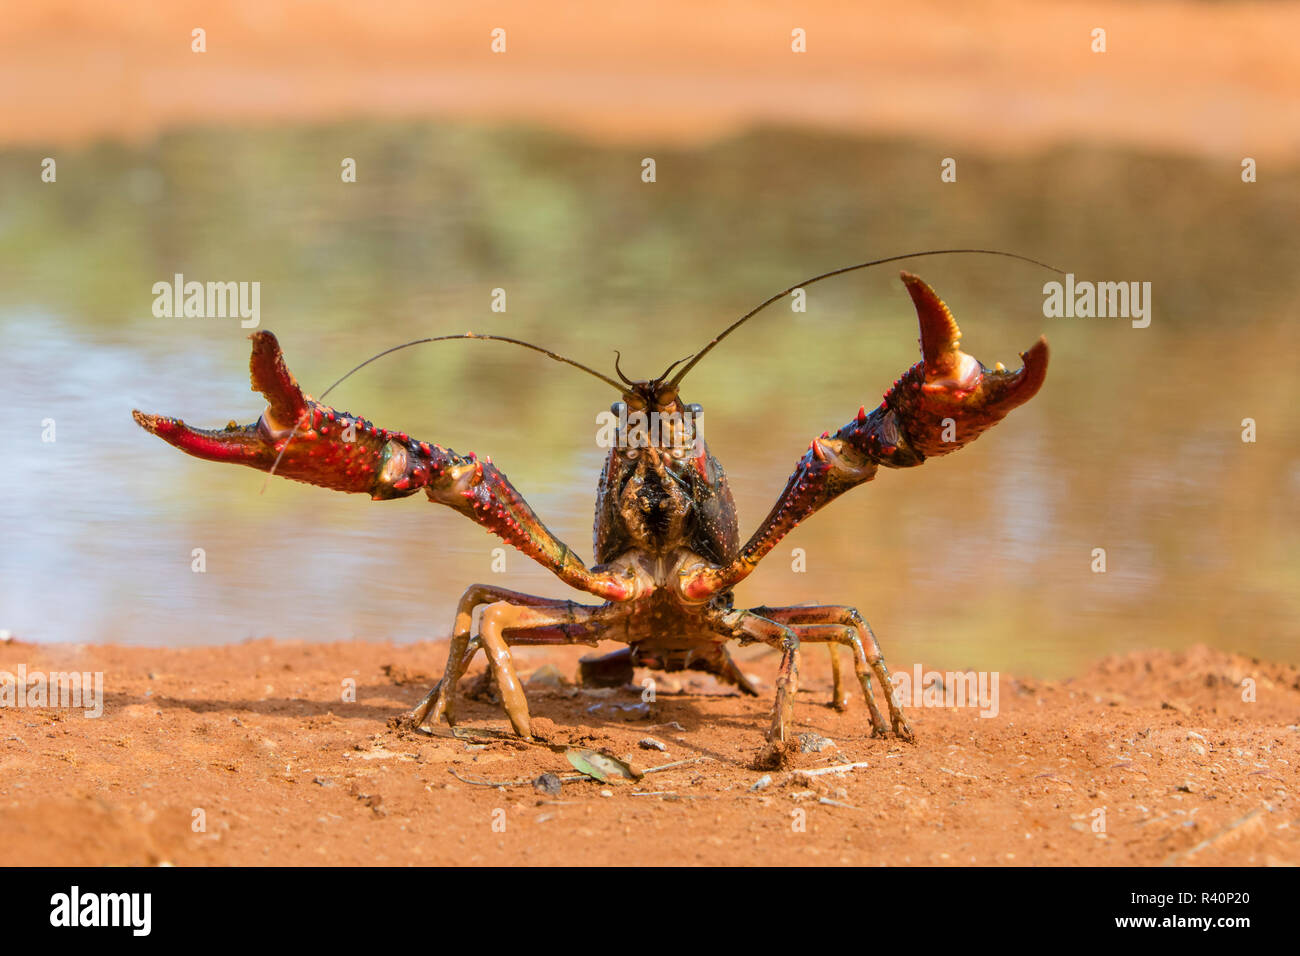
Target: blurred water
x: 979, y: 559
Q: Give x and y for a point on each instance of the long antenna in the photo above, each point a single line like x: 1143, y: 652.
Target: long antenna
x: 474, y: 335
x: 677, y: 379
x: 437, y: 338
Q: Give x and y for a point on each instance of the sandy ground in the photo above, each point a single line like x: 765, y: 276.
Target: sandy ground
x: 257, y: 737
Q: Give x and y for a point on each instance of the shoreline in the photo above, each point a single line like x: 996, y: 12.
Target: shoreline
x: 257, y: 743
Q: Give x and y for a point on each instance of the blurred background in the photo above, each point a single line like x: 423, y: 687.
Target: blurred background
x: 522, y: 170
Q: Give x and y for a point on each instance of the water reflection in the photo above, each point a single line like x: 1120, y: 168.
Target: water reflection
x: 981, y: 559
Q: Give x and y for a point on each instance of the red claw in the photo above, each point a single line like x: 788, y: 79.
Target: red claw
x: 951, y: 386
x: 271, y: 377
x: 953, y: 374
x: 947, y: 399
x: 240, y: 444
x: 287, y: 438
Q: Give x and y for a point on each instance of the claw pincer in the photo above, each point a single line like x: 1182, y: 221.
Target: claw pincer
x: 946, y: 400
x: 300, y: 438
x: 307, y: 441
x: 942, y: 403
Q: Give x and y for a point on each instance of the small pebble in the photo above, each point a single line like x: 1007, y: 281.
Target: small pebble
x: 548, y: 783
x: 814, y: 743
x: 546, y: 676
x: 637, y: 711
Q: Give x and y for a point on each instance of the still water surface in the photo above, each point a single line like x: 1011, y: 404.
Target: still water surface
x: 981, y: 559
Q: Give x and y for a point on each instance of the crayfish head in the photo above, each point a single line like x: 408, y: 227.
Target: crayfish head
x: 652, y: 396
x: 652, y: 415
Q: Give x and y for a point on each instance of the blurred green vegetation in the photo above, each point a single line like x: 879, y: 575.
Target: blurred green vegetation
x: 981, y: 559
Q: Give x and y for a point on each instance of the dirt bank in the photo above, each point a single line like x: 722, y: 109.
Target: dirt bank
x: 259, y: 739
x: 994, y: 76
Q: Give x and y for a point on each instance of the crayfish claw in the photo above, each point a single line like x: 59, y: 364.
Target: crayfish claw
x: 269, y: 374
x: 939, y: 331
x: 949, y: 398
x: 240, y: 444
x: 1025, y: 382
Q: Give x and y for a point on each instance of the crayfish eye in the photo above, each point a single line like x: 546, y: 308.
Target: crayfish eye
x: 619, y: 410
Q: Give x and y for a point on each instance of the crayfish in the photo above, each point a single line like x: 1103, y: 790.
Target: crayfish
x: 667, y: 548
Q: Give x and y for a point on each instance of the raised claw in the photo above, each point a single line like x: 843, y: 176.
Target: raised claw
x: 311, y: 442
x: 251, y: 445
x: 946, y: 400
x: 953, y: 385
x: 943, y: 402
x: 304, y: 440
x: 270, y: 376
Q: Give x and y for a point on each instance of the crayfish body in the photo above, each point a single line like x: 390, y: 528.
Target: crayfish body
x: 668, y: 553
